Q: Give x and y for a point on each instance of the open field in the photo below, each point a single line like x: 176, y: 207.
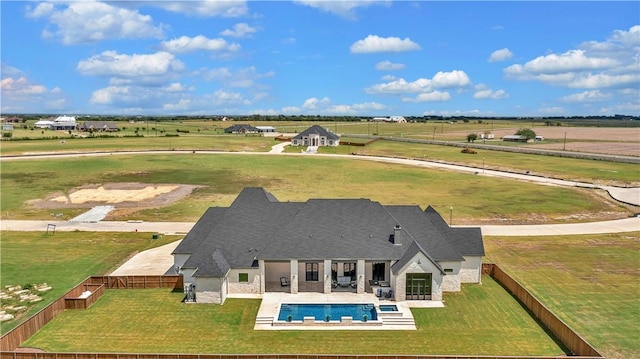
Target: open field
x: 482, y: 319
x: 592, y: 282
x: 475, y: 199
x: 602, y: 172
x: 62, y: 260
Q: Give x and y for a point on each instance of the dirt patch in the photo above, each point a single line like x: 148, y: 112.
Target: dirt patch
x: 119, y: 195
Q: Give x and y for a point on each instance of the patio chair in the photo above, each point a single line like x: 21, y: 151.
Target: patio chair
x: 379, y: 293
x: 283, y: 281
x: 389, y: 294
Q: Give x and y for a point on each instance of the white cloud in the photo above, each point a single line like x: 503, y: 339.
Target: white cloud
x: 572, y: 60
x: 341, y: 8
x: 612, y: 63
x: 500, y: 55
x: 441, y: 79
x: 242, y: 78
x: 389, y: 66
x: 42, y: 9
x: 232, y: 8
x: 325, y: 106
x: 314, y: 103
x: 239, y: 30
x: 587, y: 96
x: 482, y: 92
x: 186, y: 44
x: 108, y: 94
x: 21, y: 95
x: 126, y: 69
x: 434, y: 96
x: 176, y: 87
x: 89, y: 21
x: 375, y: 43
x: 221, y: 97
x: 289, y: 41
x: 455, y: 78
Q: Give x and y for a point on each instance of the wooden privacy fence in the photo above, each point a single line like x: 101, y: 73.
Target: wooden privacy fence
x: 70, y: 300
x: 574, y: 342
x: 13, y: 355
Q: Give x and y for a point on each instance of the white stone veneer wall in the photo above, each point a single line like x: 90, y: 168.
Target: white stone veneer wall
x: 251, y: 287
x: 471, y: 271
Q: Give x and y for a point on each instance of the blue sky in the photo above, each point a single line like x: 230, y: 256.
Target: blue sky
x: 355, y: 58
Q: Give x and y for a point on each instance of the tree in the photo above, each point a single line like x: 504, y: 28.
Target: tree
x: 527, y: 133
x: 472, y: 137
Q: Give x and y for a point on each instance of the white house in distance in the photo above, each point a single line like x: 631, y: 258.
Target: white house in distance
x: 58, y: 123
x: 316, y: 136
x: 259, y: 244
x: 392, y: 119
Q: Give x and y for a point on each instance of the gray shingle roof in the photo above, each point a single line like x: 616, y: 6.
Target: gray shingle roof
x: 258, y: 226
x: 319, y: 130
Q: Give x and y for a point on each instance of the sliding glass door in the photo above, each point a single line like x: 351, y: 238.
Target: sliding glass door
x: 418, y: 286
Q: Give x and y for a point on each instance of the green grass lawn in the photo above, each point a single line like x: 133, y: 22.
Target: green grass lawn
x: 482, y: 319
x: 474, y: 198
x: 64, y: 259
x: 592, y: 282
x: 600, y: 172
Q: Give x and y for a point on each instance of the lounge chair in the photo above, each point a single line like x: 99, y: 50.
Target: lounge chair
x: 283, y: 281
x: 389, y: 294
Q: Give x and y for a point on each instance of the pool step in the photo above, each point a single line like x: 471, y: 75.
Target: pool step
x: 264, y: 320
x: 398, y: 321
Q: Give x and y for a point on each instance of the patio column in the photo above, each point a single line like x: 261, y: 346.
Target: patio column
x: 360, y: 276
x: 294, y: 276
x: 262, y: 276
x: 327, y: 276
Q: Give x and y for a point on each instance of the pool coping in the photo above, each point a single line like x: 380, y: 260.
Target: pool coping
x: 400, y: 320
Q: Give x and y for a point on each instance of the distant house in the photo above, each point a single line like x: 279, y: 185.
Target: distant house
x: 98, y: 126
x: 241, y: 128
x: 514, y: 138
x: 259, y: 245
x: 266, y: 129
x: 316, y: 136
x: 12, y: 119
x: 44, y: 123
x: 64, y: 123
x: 392, y: 119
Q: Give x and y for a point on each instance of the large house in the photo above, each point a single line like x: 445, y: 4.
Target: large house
x: 259, y: 245
x: 241, y: 128
x: 316, y: 136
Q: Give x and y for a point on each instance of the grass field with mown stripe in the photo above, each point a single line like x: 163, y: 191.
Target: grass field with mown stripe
x: 297, y: 178
x: 481, y: 319
x: 64, y: 259
x: 590, y: 281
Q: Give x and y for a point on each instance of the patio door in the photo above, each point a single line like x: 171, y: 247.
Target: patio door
x: 418, y: 286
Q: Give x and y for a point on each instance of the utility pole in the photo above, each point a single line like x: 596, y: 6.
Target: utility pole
x: 564, y: 144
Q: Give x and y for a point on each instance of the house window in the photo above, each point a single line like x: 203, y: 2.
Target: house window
x: 330, y: 142
x: 448, y: 270
x: 243, y: 277
x: 311, y: 272
x: 306, y: 142
x: 418, y: 286
x: 350, y: 270
x: 378, y: 271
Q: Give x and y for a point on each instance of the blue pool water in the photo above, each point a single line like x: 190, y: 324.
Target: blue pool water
x: 388, y: 308
x: 320, y: 311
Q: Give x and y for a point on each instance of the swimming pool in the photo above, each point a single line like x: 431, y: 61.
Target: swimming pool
x: 321, y: 311
x: 388, y: 308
